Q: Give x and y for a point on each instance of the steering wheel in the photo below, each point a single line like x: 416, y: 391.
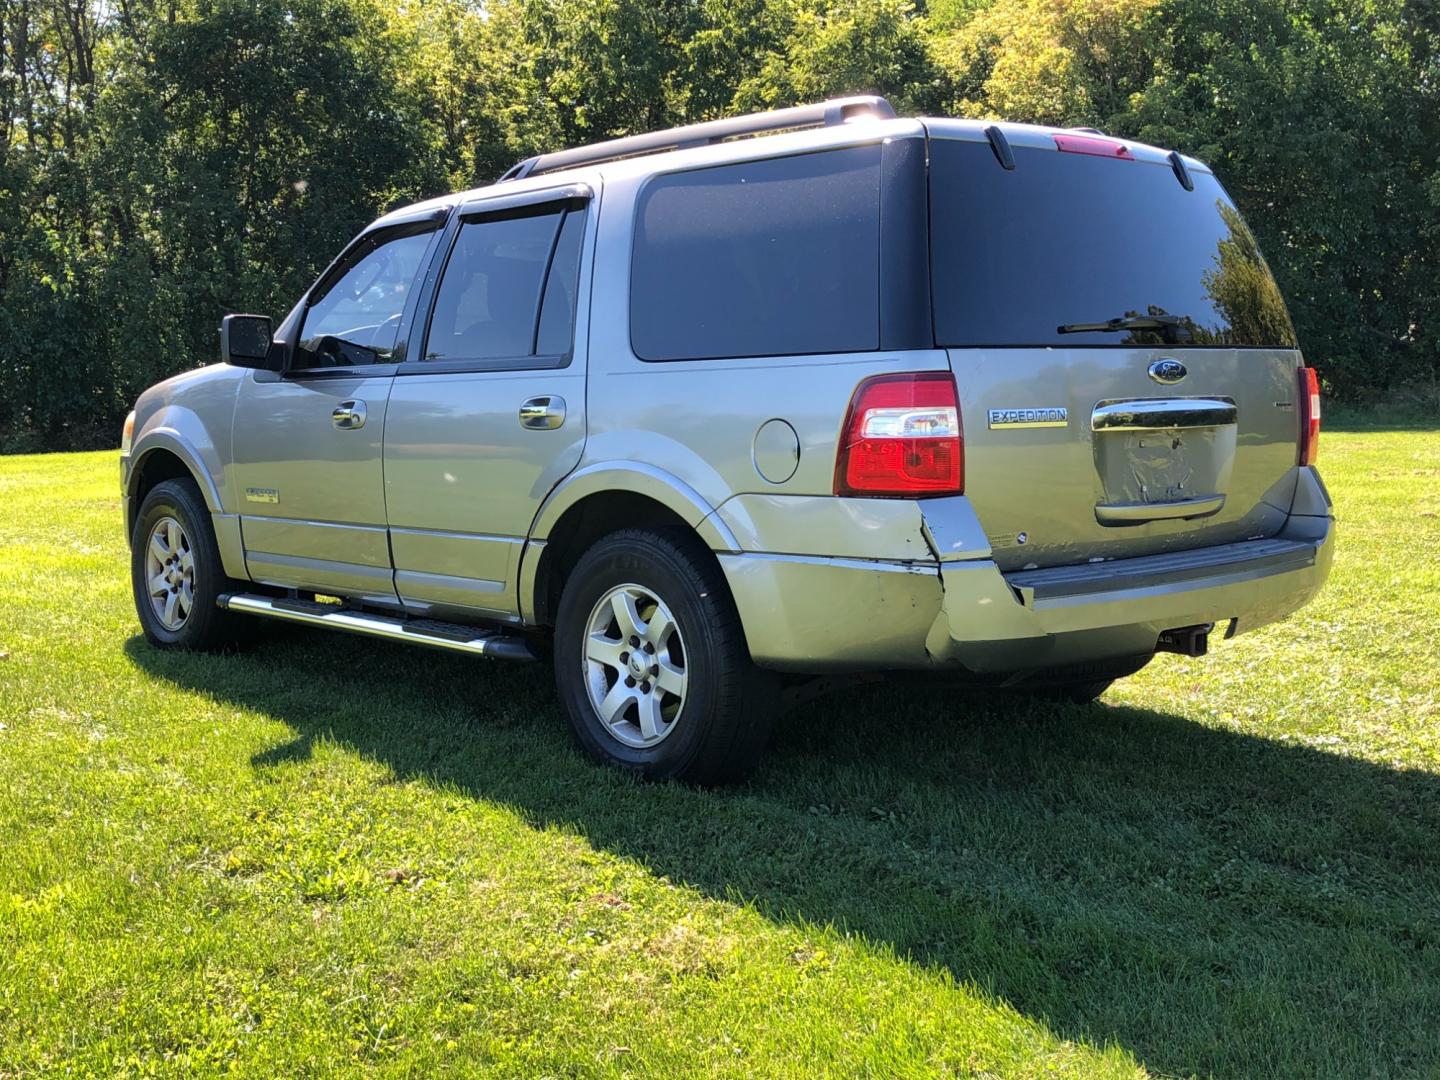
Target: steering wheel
x: 327, y: 352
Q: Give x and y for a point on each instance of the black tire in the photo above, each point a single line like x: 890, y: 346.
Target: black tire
x: 728, y: 709
x: 206, y: 626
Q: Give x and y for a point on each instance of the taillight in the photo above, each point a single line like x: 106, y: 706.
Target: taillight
x: 1309, y: 415
x: 902, y: 437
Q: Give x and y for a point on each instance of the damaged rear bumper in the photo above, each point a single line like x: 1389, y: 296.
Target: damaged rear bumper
x: 956, y: 608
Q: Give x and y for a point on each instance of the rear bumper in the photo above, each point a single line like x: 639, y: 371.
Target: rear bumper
x: 816, y: 614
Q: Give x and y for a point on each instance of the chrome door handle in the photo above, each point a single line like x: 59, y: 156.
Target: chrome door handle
x: 542, y: 413
x: 348, y: 415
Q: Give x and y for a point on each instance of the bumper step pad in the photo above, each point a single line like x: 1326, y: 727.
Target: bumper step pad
x: 1171, y: 568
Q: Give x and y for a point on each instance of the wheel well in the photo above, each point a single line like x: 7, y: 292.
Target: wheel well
x: 154, y: 468
x: 157, y: 467
x: 578, y: 529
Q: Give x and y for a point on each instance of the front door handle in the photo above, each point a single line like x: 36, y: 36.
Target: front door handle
x: 542, y: 413
x: 348, y: 415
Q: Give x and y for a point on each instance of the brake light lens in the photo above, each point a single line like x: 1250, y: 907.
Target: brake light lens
x: 902, y: 438
x: 1089, y: 144
x: 1309, y: 415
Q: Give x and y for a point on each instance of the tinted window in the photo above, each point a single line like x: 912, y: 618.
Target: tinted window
x: 557, y: 310
x: 489, y: 303
x: 766, y: 258
x: 354, y: 315
x: 1069, y: 238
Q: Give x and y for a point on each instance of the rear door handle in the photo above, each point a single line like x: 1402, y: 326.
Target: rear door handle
x: 544, y: 413
x: 348, y: 415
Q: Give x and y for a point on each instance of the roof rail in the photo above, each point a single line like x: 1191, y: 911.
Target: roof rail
x: 824, y: 114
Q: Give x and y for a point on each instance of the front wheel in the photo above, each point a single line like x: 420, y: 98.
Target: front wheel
x: 176, y: 573
x: 651, y: 662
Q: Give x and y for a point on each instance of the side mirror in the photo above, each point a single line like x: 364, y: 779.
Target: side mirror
x: 245, y: 340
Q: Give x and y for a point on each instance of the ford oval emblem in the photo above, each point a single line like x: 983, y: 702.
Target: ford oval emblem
x: 1168, y: 370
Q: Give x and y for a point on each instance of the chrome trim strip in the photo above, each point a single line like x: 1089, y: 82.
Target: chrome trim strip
x: 1162, y: 414
x: 1136, y: 513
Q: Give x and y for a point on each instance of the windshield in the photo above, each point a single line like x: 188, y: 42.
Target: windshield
x: 1050, y: 252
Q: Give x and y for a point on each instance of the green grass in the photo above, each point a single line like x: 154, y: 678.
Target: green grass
x: 330, y: 854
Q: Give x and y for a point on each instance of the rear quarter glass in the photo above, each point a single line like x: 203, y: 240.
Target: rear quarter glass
x: 1068, y: 238
x: 775, y: 257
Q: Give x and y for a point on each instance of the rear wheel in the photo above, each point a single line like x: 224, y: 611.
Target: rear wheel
x: 176, y: 574
x: 651, y: 662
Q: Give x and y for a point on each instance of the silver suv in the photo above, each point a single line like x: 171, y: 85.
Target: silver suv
x: 715, y: 410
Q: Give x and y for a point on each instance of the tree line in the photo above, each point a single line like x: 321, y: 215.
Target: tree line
x: 164, y: 162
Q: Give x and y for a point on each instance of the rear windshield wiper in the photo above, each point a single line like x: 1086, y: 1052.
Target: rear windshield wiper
x: 1169, y: 324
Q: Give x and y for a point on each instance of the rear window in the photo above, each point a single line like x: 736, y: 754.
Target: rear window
x: 1069, y: 239
x: 767, y: 258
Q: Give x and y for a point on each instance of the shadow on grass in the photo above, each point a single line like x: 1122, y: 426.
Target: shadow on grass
x: 1212, y: 901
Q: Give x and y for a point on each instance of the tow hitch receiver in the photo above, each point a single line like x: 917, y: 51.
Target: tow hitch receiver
x: 1187, y: 640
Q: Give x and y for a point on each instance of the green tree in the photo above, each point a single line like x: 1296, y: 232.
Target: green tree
x: 1320, y: 117
x: 854, y: 46
x: 1061, y: 62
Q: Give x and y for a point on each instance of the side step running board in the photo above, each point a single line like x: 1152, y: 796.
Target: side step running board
x: 453, y: 637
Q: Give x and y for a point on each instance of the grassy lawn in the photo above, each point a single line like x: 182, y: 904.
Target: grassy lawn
x: 331, y: 854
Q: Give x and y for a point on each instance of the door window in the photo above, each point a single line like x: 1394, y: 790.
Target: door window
x: 353, y: 316
x: 507, y: 294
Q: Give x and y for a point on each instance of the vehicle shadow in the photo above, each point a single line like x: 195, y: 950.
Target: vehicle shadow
x: 1213, y: 901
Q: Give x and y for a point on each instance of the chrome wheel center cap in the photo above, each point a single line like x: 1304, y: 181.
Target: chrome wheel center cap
x: 637, y: 665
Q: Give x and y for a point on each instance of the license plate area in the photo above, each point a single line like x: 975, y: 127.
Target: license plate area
x: 1162, y: 458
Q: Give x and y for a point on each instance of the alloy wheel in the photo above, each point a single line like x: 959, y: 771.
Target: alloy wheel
x: 635, y: 665
x: 170, y: 573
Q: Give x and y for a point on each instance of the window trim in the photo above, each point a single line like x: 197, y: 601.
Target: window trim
x: 570, y: 198
x: 880, y: 209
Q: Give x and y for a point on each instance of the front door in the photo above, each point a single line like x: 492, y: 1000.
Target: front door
x: 489, y: 415
x: 307, y: 443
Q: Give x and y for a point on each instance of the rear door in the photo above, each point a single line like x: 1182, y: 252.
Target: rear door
x: 490, y: 414
x: 1175, y: 425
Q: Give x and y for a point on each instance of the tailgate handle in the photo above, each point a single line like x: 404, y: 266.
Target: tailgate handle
x: 1138, y: 513
x: 1162, y: 414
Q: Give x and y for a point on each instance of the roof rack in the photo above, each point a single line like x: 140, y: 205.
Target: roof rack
x: 825, y: 114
